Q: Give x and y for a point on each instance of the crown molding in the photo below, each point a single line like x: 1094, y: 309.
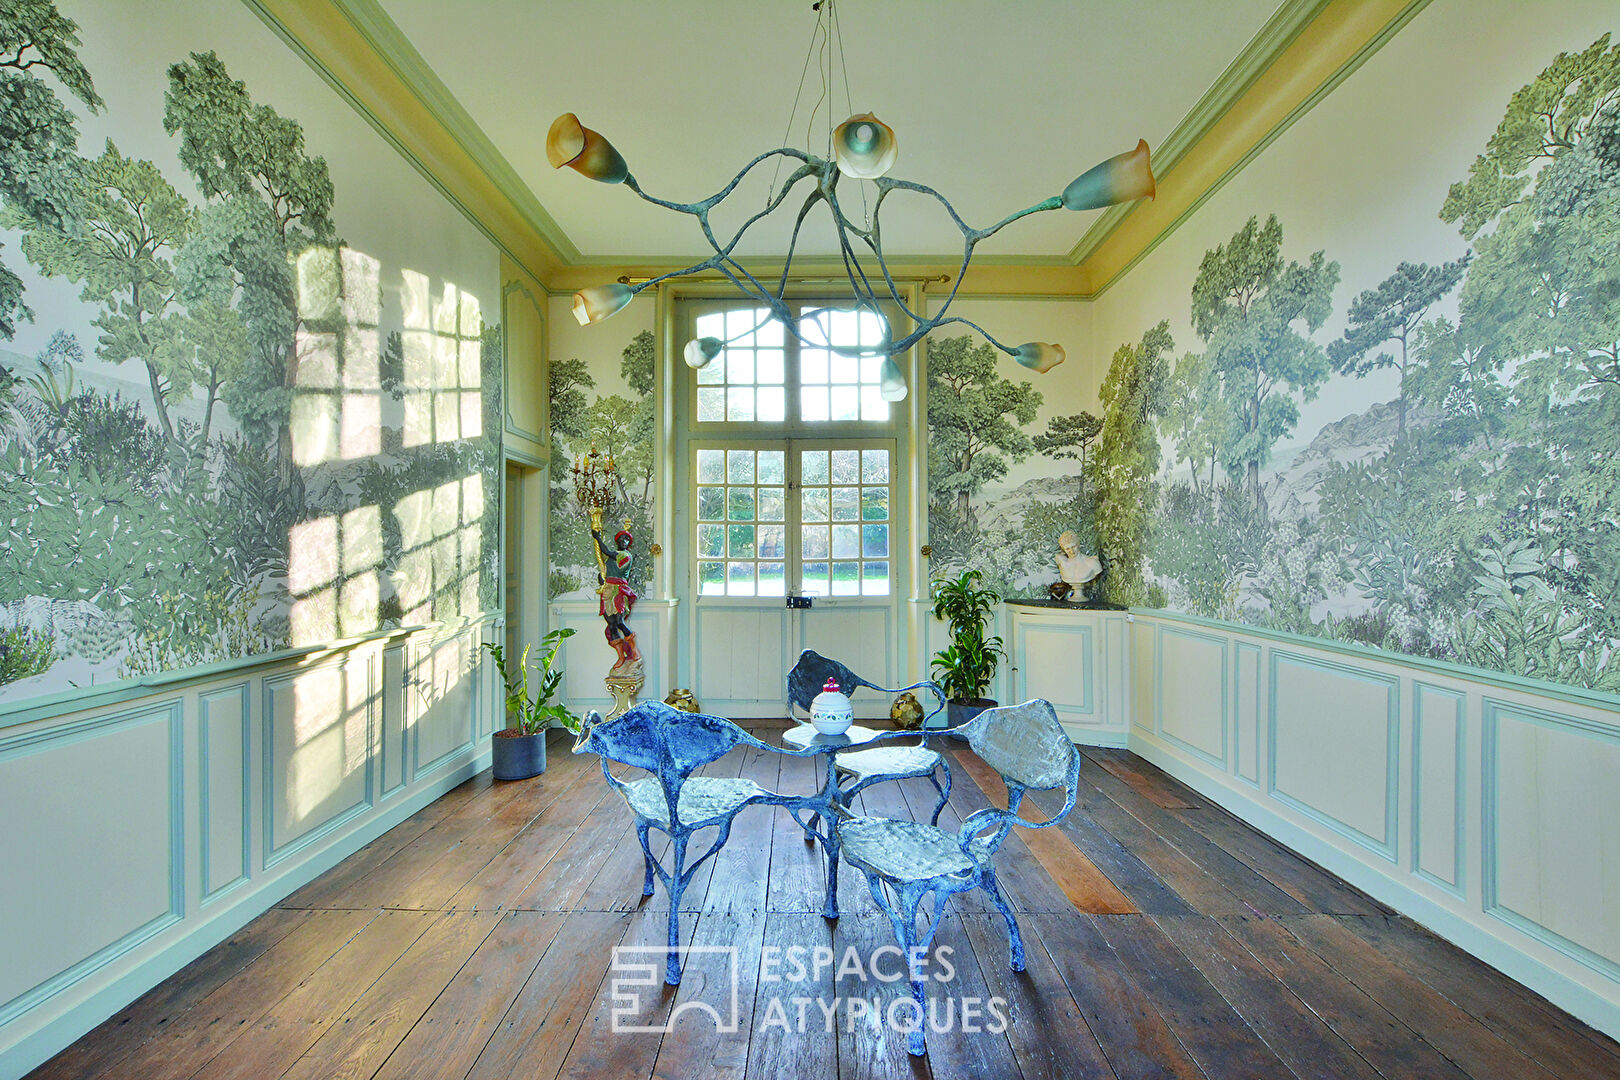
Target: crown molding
x: 1263, y: 50
x: 1305, y: 50
x: 360, y: 53
x: 1343, y: 35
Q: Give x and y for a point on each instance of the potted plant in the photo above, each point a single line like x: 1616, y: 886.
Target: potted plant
x: 518, y: 751
x: 966, y: 666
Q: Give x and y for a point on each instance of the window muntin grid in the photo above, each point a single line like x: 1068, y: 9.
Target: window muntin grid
x: 746, y: 383
x: 844, y: 531
x: 764, y: 375
x: 742, y: 522
x: 834, y: 387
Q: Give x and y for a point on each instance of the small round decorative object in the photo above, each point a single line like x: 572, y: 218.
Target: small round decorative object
x: 830, y: 712
x: 906, y: 713
x: 682, y: 700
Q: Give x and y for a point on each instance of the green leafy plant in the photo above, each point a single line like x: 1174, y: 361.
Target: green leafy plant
x: 530, y: 714
x: 968, y: 663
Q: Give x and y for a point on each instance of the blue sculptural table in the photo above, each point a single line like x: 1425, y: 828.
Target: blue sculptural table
x: 819, y: 805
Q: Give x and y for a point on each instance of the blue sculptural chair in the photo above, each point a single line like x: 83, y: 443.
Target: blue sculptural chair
x: 905, y: 860
x: 864, y: 768
x: 672, y: 745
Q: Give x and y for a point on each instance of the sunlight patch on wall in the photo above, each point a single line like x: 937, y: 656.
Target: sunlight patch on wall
x: 443, y: 363
x: 337, y: 388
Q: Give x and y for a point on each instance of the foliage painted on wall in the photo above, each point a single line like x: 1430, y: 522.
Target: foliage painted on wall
x: 976, y: 422
x: 304, y: 464
x: 1121, y: 473
x: 1470, y: 519
x: 616, y: 425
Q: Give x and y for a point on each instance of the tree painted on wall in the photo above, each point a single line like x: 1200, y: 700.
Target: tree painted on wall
x: 975, y: 428
x: 268, y: 201
x: 40, y: 165
x: 150, y: 542
x: 1392, y: 311
x: 1254, y: 312
x: 615, y: 425
x: 131, y: 221
x: 1068, y: 437
x: 1195, y: 420
x: 1127, y: 460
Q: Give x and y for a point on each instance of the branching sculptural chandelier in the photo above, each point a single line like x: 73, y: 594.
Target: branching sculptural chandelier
x: 862, y: 148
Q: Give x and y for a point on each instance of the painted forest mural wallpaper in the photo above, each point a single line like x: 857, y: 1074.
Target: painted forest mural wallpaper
x: 1473, y: 518
x: 624, y: 427
x: 236, y: 440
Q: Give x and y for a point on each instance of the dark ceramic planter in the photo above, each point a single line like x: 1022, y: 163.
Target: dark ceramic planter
x: 958, y: 713
x: 518, y: 757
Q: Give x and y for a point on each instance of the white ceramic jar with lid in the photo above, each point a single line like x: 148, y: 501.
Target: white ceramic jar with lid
x: 831, y: 712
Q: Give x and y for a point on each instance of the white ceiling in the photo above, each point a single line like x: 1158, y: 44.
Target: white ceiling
x: 995, y: 104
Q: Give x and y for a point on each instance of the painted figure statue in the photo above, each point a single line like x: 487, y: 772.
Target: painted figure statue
x: 617, y: 600
x: 1075, y: 569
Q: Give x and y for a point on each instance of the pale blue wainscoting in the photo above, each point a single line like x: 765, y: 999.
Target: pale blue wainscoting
x: 1483, y: 806
x: 138, y: 833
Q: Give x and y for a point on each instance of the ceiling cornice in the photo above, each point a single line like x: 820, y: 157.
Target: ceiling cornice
x: 1280, y: 31
x: 1305, y: 50
x: 1341, y: 37
x: 362, y: 54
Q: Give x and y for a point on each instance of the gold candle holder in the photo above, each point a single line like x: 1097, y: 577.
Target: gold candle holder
x: 595, y: 478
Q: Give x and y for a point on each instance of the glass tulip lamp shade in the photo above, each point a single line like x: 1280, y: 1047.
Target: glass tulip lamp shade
x: 700, y: 351
x: 595, y: 304
x: 1039, y: 356
x: 891, y: 381
x: 573, y: 144
x: 1122, y: 178
x: 864, y: 147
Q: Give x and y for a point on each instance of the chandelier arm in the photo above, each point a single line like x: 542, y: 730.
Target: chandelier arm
x: 885, y: 183
x: 802, y: 172
x: 1008, y: 349
x: 927, y: 325
x: 793, y: 241
x: 695, y: 208
x: 775, y: 303
x: 1054, y: 203
x: 875, y: 242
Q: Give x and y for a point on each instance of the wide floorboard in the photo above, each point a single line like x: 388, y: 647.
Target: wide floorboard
x: 1165, y: 938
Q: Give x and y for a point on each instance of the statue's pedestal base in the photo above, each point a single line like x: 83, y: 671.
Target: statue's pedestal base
x: 624, y: 690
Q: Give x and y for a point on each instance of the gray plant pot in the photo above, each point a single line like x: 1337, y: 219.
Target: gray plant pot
x: 517, y: 757
x: 958, y: 713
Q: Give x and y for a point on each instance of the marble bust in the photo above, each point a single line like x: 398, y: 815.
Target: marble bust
x: 1074, y: 568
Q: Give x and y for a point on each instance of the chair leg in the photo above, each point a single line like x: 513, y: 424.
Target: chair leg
x: 944, y: 792
x: 677, y: 886
x: 829, y: 907
x: 904, y: 922
x: 1015, y: 939
x: 815, y: 823
x: 646, y: 853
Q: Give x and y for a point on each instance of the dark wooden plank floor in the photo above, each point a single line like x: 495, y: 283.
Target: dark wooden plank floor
x: 1165, y: 939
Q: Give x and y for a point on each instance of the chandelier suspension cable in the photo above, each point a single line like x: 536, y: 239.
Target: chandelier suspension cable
x: 861, y: 149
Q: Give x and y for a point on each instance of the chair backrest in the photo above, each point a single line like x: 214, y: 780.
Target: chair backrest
x: 1029, y: 748
x: 661, y: 739
x: 812, y: 670
x: 1024, y: 743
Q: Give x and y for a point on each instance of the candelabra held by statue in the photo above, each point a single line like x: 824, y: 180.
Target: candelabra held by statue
x: 595, y: 477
